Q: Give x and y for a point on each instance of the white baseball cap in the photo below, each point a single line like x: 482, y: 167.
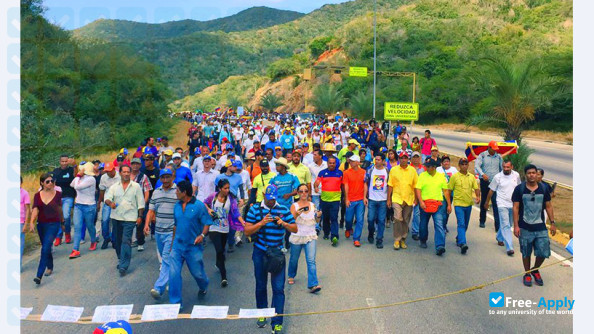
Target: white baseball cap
x: 355, y: 157
x: 176, y: 155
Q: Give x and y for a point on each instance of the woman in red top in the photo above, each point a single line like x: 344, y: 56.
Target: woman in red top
x: 47, y: 211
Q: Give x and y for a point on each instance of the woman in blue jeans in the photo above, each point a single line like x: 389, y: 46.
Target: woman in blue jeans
x: 305, y: 216
x: 47, y: 211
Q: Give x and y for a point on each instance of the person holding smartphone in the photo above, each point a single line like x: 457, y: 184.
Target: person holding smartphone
x: 305, y: 215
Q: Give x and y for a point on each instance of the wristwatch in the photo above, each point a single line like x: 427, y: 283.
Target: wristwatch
x: 202, y: 235
x: 552, y: 222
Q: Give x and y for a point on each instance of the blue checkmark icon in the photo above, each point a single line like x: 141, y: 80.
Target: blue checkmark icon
x: 496, y: 299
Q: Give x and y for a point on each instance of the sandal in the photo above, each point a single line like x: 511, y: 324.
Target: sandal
x: 291, y: 281
x: 315, y: 289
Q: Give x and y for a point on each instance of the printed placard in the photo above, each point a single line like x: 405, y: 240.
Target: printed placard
x: 256, y: 312
x: 107, y: 313
x: 209, y: 312
x: 25, y: 311
x: 62, y: 313
x: 160, y: 312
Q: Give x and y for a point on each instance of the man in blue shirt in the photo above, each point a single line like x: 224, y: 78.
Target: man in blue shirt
x: 269, y: 220
x: 286, y: 185
x: 287, y: 141
x: 191, y: 219
x: 272, y: 142
x: 181, y: 172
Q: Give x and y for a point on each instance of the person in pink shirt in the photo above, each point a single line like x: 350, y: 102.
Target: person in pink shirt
x: 25, y: 217
x: 426, y: 144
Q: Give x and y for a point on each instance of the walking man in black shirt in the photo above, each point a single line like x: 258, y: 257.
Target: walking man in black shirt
x: 63, y: 176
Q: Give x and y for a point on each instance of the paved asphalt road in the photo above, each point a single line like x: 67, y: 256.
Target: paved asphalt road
x: 350, y: 278
x: 556, y: 159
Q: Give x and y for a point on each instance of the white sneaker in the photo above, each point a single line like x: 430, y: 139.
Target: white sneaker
x: 140, y: 248
x: 82, y: 242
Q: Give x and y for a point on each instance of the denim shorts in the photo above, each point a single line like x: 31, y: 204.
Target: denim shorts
x: 537, y: 240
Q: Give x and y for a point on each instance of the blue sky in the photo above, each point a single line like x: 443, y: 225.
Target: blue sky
x: 72, y: 14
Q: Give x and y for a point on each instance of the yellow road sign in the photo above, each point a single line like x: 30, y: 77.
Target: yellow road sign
x: 401, y: 111
x: 358, y: 71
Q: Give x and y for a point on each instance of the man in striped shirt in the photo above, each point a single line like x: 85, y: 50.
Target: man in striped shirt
x: 161, y: 209
x: 269, y: 220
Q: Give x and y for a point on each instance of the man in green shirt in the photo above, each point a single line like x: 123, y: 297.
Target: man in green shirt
x: 353, y: 146
x: 430, y: 189
x: 300, y: 170
x: 126, y: 200
x: 463, y: 184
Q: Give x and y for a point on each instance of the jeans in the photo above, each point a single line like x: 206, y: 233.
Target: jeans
x: 84, y: 214
x: 463, y: 218
x: 342, y: 209
x: 315, y: 199
x: 140, y: 229
x: 276, y: 280
x: 437, y: 224
x: 330, y: 213
x: 219, y: 240
x: 416, y: 219
x: 164, y: 248
x: 355, y: 210
x: 376, y: 214
x: 47, y: 233
x: 22, y: 243
x: 310, y: 259
x: 506, y: 216
x: 67, y: 204
x: 484, y: 192
x: 230, y: 238
x: 123, y: 243
x: 105, y: 213
x: 192, y: 255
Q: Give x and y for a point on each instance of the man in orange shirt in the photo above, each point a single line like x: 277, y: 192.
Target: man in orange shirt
x: 353, y: 181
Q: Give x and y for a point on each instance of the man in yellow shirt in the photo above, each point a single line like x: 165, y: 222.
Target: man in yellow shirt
x: 401, y: 195
x: 430, y: 189
x: 300, y: 170
x: 463, y: 184
x: 261, y: 181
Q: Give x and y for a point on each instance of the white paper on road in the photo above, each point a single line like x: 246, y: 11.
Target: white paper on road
x: 107, y: 313
x: 256, y: 312
x: 160, y: 312
x: 25, y: 311
x: 62, y: 313
x: 209, y: 312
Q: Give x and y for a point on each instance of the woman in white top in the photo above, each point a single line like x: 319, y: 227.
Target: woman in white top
x: 85, y: 207
x: 305, y: 216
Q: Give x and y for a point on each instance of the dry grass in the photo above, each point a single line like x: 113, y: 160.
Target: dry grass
x: 562, y: 137
x: 31, y: 180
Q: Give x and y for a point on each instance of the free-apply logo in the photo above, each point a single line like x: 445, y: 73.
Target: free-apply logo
x: 496, y: 299
x: 527, y: 306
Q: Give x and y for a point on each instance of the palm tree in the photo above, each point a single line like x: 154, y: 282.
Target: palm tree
x: 270, y: 102
x: 233, y: 102
x: 517, y: 91
x: 328, y: 99
x: 361, y: 104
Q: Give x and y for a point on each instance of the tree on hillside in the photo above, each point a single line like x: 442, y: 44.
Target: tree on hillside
x: 234, y: 102
x: 328, y: 99
x: 270, y: 102
x: 361, y: 104
x: 517, y: 90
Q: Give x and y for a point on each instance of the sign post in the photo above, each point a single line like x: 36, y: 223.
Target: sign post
x: 401, y: 111
x: 357, y: 71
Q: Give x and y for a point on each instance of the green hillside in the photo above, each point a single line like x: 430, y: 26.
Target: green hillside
x: 82, y: 99
x: 249, y: 19
x: 443, y: 41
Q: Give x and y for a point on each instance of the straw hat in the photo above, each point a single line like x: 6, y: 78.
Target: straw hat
x: 329, y: 147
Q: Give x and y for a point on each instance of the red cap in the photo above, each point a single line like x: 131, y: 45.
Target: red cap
x: 493, y: 145
x: 108, y: 167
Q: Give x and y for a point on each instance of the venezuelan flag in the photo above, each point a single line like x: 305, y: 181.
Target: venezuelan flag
x: 217, y: 109
x: 478, y: 148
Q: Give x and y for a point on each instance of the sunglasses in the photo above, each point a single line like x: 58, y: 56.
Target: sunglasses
x: 532, y: 196
x: 303, y: 191
x: 48, y: 181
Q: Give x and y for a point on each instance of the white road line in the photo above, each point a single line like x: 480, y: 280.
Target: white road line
x: 555, y: 254
x: 377, y: 320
